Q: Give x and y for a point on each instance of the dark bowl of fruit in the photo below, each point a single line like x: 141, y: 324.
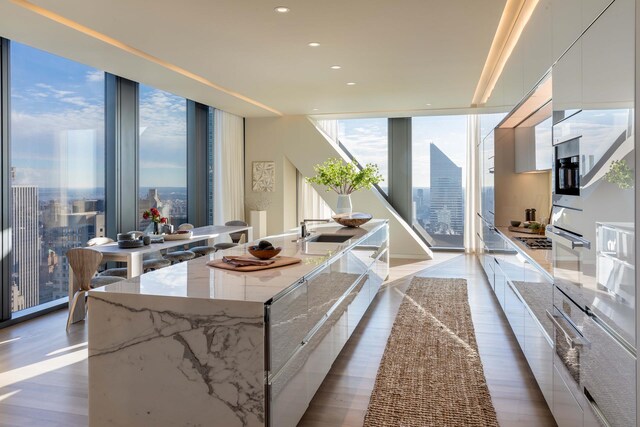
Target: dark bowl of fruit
x: 264, y: 250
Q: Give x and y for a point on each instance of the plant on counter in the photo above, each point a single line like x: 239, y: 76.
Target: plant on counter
x: 345, y: 178
x: 620, y: 174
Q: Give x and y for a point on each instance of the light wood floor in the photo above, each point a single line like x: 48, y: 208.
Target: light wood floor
x: 43, y: 370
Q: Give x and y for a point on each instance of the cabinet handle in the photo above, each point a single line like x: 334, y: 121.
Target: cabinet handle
x: 573, y: 340
x: 572, y: 239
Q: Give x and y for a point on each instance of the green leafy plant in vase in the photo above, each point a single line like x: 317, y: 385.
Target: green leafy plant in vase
x: 345, y: 178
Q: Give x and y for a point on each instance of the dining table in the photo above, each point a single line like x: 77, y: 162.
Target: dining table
x: 133, y: 257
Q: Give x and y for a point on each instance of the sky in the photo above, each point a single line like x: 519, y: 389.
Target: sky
x: 367, y: 140
x: 57, y: 125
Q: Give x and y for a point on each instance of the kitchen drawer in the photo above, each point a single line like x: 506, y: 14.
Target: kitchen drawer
x: 358, y: 300
x: 539, y: 353
x: 500, y: 282
x: 566, y: 409
x: 514, y: 310
x: 378, y: 274
x: 325, y: 289
x: 288, y: 326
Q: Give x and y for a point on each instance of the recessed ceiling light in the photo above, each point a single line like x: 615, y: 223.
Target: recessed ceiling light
x: 428, y: 105
x: 315, y: 109
x: 282, y: 9
x: 314, y: 44
x: 335, y: 67
x: 351, y: 84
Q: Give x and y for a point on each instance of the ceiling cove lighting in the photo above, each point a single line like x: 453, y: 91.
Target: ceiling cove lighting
x: 314, y: 44
x: 515, y: 16
x: 137, y: 52
x: 335, y: 67
x: 282, y: 9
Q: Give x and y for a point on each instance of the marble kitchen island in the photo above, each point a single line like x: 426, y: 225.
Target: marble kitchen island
x: 192, y: 345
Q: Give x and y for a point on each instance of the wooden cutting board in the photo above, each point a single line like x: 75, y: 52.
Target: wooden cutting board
x: 526, y: 230
x: 279, y: 261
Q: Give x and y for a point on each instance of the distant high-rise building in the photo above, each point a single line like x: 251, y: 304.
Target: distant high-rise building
x: 25, y: 239
x: 447, y: 204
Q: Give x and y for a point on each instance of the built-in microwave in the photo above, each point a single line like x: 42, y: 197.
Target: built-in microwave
x: 567, y: 167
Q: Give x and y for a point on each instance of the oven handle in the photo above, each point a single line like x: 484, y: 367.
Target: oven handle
x: 571, y: 239
x: 575, y: 341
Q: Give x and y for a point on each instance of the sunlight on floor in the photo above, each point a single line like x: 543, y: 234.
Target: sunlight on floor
x: 64, y: 350
x: 11, y: 340
x: 7, y: 395
x: 33, y: 370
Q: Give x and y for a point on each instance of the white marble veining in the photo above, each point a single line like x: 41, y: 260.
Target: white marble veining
x: 172, y: 361
x: 194, y: 279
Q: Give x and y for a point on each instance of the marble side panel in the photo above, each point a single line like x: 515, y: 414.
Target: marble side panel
x: 164, y: 361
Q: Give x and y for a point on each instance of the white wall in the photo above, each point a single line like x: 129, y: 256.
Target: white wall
x: 293, y: 142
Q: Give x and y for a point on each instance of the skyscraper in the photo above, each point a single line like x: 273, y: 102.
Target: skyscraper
x: 25, y: 240
x: 447, y: 209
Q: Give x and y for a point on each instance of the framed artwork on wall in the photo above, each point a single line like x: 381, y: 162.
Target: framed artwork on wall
x: 263, y: 176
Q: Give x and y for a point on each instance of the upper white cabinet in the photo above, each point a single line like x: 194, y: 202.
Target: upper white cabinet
x: 537, y: 45
x: 534, y: 148
x: 608, y: 58
x: 569, y: 20
x: 567, y: 83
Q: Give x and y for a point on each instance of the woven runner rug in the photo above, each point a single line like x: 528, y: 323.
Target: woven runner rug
x: 431, y: 373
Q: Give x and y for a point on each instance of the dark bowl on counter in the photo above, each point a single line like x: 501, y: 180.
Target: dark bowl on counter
x: 516, y: 223
x: 263, y: 253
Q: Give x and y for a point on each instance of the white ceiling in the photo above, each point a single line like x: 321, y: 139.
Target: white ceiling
x: 403, y: 55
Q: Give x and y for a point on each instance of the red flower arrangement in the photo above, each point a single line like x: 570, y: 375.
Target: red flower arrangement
x: 154, y: 215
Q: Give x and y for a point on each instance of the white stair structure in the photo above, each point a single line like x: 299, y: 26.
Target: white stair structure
x: 295, y: 142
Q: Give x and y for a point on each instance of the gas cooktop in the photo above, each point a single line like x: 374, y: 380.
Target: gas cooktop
x: 535, y: 242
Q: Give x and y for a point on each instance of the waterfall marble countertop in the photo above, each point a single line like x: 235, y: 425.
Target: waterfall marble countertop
x: 194, y: 279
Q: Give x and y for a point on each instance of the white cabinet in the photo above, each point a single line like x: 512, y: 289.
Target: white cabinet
x: 570, y: 18
x: 537, y: 45
x: 514, y: 310
x: 608, y: 61
x: 567, y: 83
x: 539, y: 353
x: 566, y: 409
x: 533, y: 147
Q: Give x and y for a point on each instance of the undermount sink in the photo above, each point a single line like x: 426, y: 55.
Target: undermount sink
x: 330, y: 238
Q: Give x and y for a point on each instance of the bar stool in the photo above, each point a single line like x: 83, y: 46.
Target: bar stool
x: 84, y: 263
x: 235, y: 237
x: 179, y: 256
x: 202, y: 250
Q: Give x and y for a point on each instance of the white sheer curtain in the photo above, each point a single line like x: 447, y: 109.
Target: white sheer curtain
x: 471, y: 183
x: 229, y: 167
x: 310, y: 204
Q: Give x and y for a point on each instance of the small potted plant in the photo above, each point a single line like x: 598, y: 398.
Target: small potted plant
x: 153, y: 214
x: 344, y: 179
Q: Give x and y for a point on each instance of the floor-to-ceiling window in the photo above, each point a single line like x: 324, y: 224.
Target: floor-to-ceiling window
x: 439, y: 146
x: 367, y: 141
x: 57, y: 169
x: 163, y: 154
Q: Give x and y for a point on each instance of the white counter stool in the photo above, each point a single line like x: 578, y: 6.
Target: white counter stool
x: 235, y: 237
x: 84, y: 263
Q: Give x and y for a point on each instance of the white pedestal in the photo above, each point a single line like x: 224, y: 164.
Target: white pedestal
x: 258, y: 220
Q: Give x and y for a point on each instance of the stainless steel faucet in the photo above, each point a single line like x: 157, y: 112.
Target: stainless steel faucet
x: 303, y: 226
